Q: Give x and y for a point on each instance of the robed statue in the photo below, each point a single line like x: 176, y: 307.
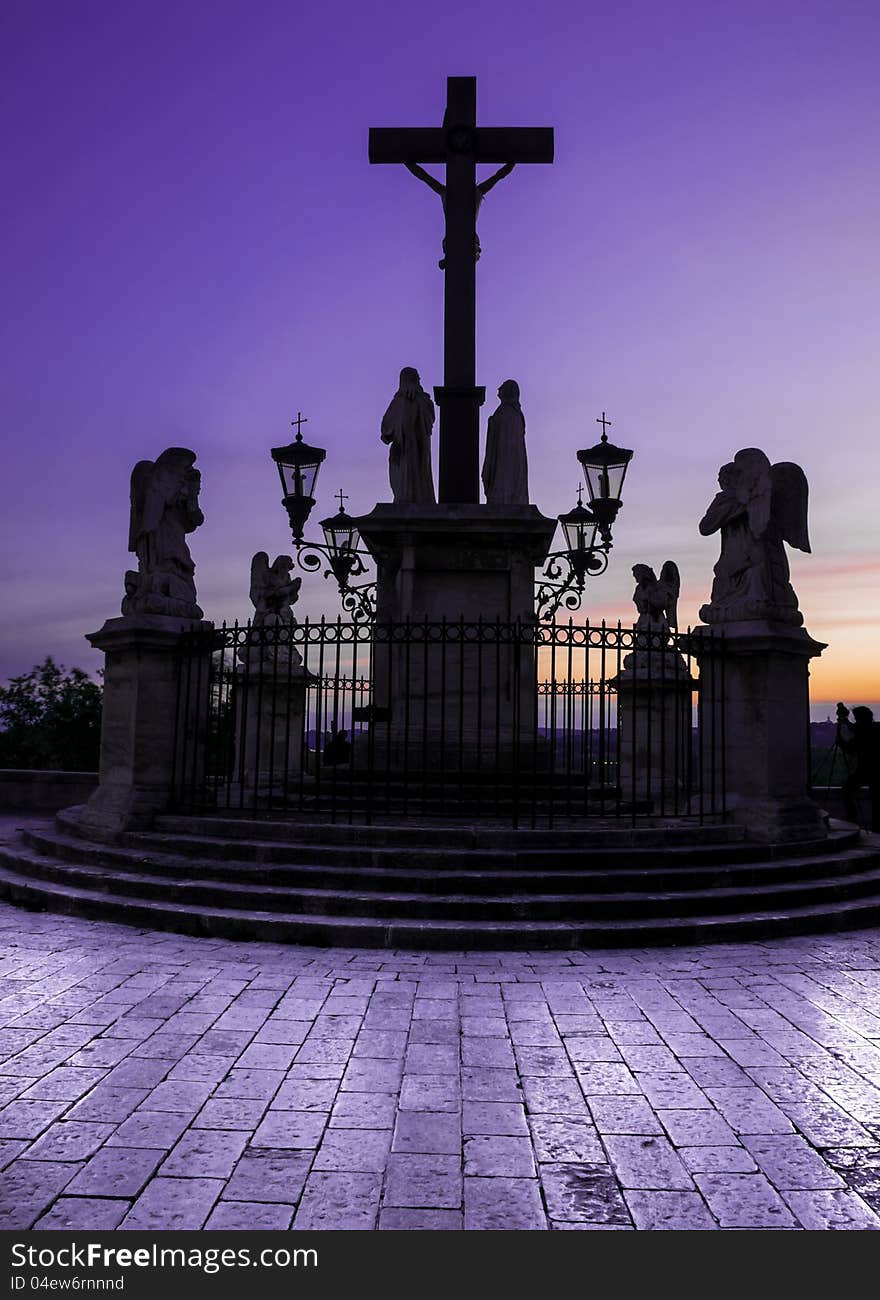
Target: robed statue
x: 164, y: 509
x: 406, y: 427
x: 505, y: 467
x: 758, y: 509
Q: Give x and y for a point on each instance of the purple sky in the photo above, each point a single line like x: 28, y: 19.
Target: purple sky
x: 194, y: 246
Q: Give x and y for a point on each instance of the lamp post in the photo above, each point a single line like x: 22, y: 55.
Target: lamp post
x: 604, y: 467
x: 298, y: 465
x: 565, y: 574
x: 344, y: 555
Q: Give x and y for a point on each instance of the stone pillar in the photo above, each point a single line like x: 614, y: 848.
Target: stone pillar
x: 147, y: 723
x: 654, y: 730
x: 269, y: 724
x: 456, y: 704
x: 758, y: 728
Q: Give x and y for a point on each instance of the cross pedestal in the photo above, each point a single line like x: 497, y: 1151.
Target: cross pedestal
x: 464, y: 694
x: 760, y: 723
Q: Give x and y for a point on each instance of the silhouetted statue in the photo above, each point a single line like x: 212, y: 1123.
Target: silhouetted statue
x: 481, y: 191
x: 860, y: 741
x: 406, y: 427
x: 656, y: 599
x: 164, y: 508
x: 337, y: 748
x: 759, y: 508
x: 506, y: 468
x: 655, y: 654
x: 272, y: 593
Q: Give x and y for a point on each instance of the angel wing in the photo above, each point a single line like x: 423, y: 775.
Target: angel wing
x: 259, y: 578
x: 670, y: 578
x: 789, y: 498
x: 141, y: 478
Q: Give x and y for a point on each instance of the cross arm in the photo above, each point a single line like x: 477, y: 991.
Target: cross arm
x: 400, y: 144
x: 527, y: 144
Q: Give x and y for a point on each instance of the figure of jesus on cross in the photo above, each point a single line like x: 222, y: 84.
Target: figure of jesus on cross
x: 461, y: 145
x: 481, y: 191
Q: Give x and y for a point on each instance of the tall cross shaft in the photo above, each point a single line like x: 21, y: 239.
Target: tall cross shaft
x: 460, y: 144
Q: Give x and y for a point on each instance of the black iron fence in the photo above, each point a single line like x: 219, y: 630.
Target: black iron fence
x: 523, y: 722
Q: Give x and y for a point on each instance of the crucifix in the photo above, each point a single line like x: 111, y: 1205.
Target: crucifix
x: 460, y: 144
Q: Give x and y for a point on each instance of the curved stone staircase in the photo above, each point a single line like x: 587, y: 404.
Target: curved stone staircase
x: 446, y: 886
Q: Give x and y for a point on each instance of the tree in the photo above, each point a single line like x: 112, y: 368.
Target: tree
x: 51, y: 718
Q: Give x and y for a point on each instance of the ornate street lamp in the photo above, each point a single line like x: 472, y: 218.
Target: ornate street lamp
x: 346, y: 560
x: 605, y: 467
x: 566, y: 572
x: 298, y: 466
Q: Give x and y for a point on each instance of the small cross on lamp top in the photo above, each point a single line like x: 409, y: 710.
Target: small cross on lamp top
x: 297, y: 424
x: 342, y: 497
x: 606, y: 424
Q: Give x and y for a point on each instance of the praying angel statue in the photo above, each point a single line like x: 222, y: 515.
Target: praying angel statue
x: 481, y: 191
x: 269, y: 643
x: 760, y: 507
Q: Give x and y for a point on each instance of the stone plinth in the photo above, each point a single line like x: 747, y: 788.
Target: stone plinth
x: 145, y: 720
x: 455, y: 702
x: 456, y: 561
x: 654, y: 728
x: 269, y: 722
x: 757, y: 731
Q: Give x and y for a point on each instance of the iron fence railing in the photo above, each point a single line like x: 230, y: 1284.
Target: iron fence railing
x: 522, y: 722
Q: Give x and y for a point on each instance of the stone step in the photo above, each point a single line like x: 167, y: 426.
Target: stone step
x: 436, y: 934
x: 417, y: 832
x: 201, y: 891
x: 552, y: 871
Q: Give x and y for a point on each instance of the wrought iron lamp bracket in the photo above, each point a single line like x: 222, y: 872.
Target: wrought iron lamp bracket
x: 358, y: 599
x: 564, y: 578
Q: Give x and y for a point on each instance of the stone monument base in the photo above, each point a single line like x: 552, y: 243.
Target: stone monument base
x: 269, y: 725
x: 654, y: 729
x: 458, y: 692
x: 456, y: 562
x: 143, y: 721
x: 761, y: 723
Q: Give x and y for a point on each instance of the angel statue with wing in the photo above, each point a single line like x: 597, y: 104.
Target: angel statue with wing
x: 759, y: 508
x: 164, y: 508
x: 273, y: 592
x: 656, y: 599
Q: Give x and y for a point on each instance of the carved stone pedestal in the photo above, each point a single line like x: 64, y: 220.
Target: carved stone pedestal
x: 144, y: 723
x: 269, y: 722
x: 654, y: 729
x: 460, y: 695
x: 761, y: 723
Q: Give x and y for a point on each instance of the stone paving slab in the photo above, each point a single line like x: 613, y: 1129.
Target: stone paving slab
x: 150, y: 1080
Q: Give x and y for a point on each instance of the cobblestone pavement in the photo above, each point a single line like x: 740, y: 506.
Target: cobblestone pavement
x: 153, y: 1081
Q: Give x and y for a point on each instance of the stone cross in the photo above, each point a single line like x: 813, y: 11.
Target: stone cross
x: 460, y: 144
